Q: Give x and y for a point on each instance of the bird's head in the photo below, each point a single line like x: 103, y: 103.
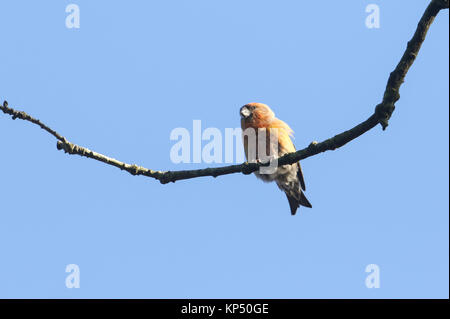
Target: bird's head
x: 256, y: 114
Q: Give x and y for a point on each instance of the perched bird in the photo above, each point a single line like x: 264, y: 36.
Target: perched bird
x: 260, y: 119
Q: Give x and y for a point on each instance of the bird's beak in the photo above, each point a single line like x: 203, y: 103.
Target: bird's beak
x: 245, y: 112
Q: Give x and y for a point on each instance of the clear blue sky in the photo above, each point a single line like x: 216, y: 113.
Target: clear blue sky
x: 135, y: 70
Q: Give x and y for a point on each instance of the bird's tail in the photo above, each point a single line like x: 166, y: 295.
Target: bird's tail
x: 296, y: 203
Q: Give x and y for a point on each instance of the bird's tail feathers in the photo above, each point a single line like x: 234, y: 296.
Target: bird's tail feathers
x: 294, y: 203
x: 304, y: 201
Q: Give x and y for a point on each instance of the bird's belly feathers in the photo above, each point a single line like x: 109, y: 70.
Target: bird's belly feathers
x: 282, y: 172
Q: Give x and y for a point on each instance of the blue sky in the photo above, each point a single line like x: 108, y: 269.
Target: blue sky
x: 135, y: 70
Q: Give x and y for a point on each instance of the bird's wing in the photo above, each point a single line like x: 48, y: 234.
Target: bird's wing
x: 286, y: 145
x: 300, y: 177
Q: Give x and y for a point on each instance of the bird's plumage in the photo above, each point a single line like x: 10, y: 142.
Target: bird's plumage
x: 289, y: 178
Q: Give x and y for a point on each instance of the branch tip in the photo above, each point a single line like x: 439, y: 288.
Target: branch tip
x: 442, y: 4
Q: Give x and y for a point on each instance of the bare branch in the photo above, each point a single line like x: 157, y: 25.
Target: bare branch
x: 382, y: 114
x: 391, y: 95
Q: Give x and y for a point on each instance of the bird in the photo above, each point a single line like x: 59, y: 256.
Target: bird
x: 260, y: 119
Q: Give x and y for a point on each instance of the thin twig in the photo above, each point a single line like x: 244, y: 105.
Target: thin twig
x: 382, y: 114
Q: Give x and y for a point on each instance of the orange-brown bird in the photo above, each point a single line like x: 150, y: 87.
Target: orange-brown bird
x: 261, y: 120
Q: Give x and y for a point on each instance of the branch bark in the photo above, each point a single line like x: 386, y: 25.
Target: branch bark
x: 381, y: 115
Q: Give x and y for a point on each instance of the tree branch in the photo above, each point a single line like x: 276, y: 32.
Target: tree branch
x: 382, y: 114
